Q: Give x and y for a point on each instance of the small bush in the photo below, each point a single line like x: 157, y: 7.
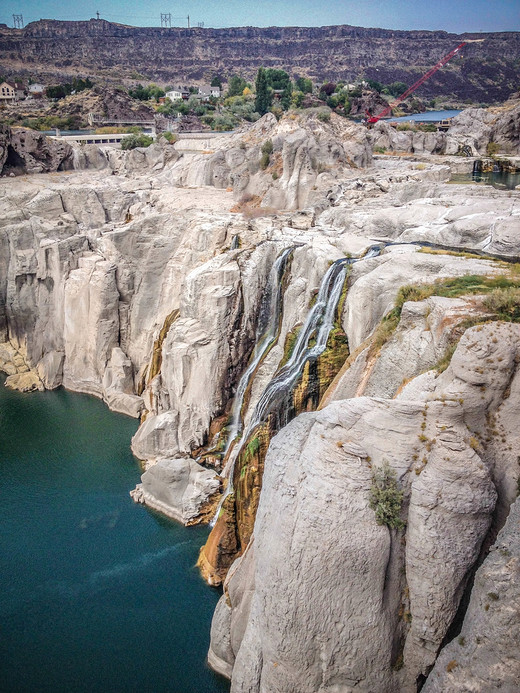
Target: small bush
x: 379, y: 150
x: 505, y: 303
x: 451, y: 665
x: 324, y: 116
x: 170, y: 137
x: 427, y: 127
x: 492, y: 148
x: 385, y: 497
x: 267, y: 147
x: 275, y: 175
x: 134, y: 141
x: 264, y: 161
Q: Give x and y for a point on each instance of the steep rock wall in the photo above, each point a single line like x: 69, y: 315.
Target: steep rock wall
x: 53, y: 48
x: 370, y: 620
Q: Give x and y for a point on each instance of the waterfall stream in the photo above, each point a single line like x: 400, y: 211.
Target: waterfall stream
x: 270, y: 312
x: 310, y: 344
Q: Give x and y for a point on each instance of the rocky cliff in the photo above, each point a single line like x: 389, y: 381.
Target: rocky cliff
x: 52, y: 49
x: 329, y: 373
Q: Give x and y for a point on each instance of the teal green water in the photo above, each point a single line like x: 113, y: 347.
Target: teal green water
x: 97, y: 593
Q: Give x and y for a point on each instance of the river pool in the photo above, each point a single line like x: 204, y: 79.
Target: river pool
x: 98, y: 593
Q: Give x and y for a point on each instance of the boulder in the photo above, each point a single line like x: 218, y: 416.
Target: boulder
x: 177, y: 488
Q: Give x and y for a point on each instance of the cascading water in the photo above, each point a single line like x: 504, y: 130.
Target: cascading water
x: 270, y: 312
x: 270, y: 307
x: 318, y: 325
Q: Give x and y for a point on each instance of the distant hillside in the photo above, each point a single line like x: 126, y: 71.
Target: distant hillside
x: 51, y: 50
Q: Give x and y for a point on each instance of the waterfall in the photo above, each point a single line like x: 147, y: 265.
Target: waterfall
x: 270, y: 313
x: 318, y: 325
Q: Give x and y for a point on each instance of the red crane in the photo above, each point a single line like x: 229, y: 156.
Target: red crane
x: 374, y: 118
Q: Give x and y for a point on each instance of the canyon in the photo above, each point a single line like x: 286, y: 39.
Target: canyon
x: 52, y: 50
x: 286, y: 336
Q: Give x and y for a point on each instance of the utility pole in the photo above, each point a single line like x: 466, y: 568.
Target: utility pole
x: 97, y: 15
x: 18, y: 21
x: 188, y: 21
x: 166, y: 19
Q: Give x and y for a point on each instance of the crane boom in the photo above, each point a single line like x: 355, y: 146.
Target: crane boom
x: 374, y: 119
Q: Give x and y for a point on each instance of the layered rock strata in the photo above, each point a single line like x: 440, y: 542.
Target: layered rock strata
x: 126, y: 282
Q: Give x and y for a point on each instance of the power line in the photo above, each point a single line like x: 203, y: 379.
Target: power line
x: 166, y: 19
x: 18, y: 21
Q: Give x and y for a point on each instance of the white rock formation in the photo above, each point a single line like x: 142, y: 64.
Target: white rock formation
x: 142, y: 288
x: 177, y: 488
x: 375, y: 619
x: 484, y: 656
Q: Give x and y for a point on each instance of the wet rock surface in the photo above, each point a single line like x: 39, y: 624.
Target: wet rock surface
x: 134, y: 281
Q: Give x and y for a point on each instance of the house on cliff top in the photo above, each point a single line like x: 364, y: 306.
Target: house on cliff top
x: 11, y: 91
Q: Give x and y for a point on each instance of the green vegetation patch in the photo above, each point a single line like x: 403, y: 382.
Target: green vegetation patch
x: 133, y: 141
x: 385, y: 497
x: 505, y: 303
x: 503, y: 300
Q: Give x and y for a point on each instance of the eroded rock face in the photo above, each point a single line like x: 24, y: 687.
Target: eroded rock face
x: 121, y: 286
x: 26, y: 151
x: 484, y: 657
x: 307, y: 156
x: 177, y: 488
x: 473, y: 129
x: 377, y: 619
x: 384, y: 55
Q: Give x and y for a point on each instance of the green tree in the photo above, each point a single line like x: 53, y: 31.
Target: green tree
x: 155, y: 92
x: 217, y: 81
x: 139, y: 92
x: 377, y: 86
x: 56, y: 92
x: 277, y: 79
x: 297, y: 99
x: 264, y: 96
x: 237, y: 85
x: 305, y: 85
x: 396, y: 88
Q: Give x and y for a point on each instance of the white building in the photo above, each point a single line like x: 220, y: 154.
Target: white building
x: 178, y: 94
x: 7, y: 92
x: 36, y: 88
x: 206, y: 91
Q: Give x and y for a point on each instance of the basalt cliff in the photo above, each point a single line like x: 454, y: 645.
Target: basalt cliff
x: 55, y: 50
x: 323, y: 353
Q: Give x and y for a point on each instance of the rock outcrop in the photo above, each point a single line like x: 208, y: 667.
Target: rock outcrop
x: 26, y: 151
x: 57, y: 49
x: 178, y: 488
x: 135, y: 282
x: 484, y: 656
x: 471, y: 133
x: 103, y: 102
x: 377, y: 617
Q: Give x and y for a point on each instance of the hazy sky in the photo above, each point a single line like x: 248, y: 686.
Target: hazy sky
x: 451, y: 15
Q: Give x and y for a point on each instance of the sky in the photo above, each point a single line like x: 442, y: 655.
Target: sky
x: 456, y: 16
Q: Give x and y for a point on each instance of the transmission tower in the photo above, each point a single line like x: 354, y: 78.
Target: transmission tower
x: 18, y: 21
x: 200, y: 25
x: 166, y: 19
